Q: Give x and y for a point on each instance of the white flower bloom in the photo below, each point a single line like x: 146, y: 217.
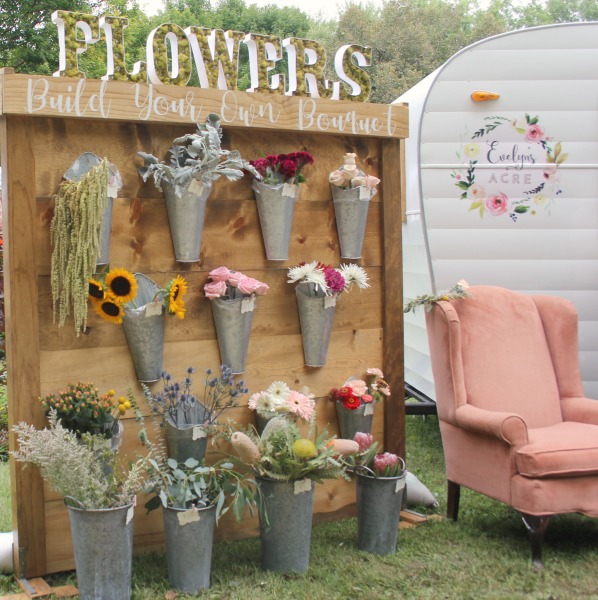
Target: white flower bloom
x: 318, y: 278
x: 355, y: 274
x: 279, y: 389
x: 266, y: 403
x: 302, y: 272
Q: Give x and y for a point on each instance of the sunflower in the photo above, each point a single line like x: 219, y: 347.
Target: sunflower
x: 96, y: 289
x: 176, y: 289
x: 122, y: 285
x: 110, y: 309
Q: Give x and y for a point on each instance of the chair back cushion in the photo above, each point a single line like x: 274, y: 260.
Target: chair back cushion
x: 505, y: 357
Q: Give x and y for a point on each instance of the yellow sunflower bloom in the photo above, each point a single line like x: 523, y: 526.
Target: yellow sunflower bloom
x: 96, y: 290
x: 176, y: 290
x: 122, y: 285
x: 109, y: 309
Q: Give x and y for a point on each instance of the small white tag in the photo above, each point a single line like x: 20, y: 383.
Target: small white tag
x: 195, y: 187
x: 365, y: 193
x: 248, y: 304
x: 400, y: 485
x: 330, y: 301
x: 199, y: 432
x: 368, y: 410
x: 130, y: 514
x: 289, y: 190
x: 187, y: 516
x: 112, y: 191
x: 303, y: 485
x: 153, y: 308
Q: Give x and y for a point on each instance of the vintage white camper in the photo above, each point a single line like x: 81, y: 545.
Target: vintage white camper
x: 505, y: 191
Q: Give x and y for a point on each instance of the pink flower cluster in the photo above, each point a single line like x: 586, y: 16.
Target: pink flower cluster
x: 280, y: 399
x: 231, y: 284
x: 354, y: 393
x: 383, y: 464
x: 282, y: 168
x: 364, y: 440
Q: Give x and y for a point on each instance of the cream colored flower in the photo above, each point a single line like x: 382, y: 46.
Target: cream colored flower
x: 471, y: 150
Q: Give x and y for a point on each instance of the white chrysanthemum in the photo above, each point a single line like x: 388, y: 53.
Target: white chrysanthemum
x: 279, y: 389
x: 355, y: 274
x: 302, y: 272
x: 318, y: 278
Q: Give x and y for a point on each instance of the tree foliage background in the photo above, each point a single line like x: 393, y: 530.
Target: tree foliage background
x: 410, y: 38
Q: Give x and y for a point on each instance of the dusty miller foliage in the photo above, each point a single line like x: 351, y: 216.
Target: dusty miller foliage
x: 75, y: 238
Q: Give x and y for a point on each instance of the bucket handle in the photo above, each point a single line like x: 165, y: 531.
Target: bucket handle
x: 367, y: 472
x: 73, y: 501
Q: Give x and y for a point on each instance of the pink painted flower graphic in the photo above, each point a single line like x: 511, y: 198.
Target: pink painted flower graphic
x: 534, y: 134
x: 498, y: 204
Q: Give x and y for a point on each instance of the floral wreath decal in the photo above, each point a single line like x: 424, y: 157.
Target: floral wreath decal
x: 496, y: 201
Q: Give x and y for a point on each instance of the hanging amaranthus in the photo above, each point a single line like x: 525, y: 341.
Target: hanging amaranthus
x: 75, y: 237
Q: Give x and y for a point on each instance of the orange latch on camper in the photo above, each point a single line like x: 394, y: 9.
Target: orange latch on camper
x: 482, y: 96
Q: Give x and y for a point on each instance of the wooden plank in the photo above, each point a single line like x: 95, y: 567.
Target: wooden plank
x: 123, y: 101
x: 394, y: 434
x: 22, y: 332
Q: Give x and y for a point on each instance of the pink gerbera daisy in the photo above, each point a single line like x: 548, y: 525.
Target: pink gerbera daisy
x: 300, y: 405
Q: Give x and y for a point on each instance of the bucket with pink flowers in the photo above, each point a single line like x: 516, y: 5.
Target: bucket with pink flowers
x: 233, y: 297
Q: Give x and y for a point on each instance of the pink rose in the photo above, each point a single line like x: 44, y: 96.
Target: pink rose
x: 358, y: 386
x: 219, y: 274
x: 337, y: 178
x: 248, y: 285
x: 533, y: 134
x: 262, y: 288
x: 367, y: 398
x: 235, y: 277
x: 214, y: 289
x: 368, y: 181
x: 497, y: 205
x: 365, y: 440
x: 550, y: 173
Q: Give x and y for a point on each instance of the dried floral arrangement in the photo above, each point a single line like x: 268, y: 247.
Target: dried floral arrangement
x: 459, y: 290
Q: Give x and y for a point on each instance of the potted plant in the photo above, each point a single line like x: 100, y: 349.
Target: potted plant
x: 187, y: 419
x: 140, y: 305
x: 380, y: 487
x: 352, y: 191
x: 233, y: 296
x: 100, y: 502
x: 196, y: 161
x: 280, y: 400
x: 193, y: 497
x: 287, y: 466
x: 355, y: 401
x: 318, y: 288
x: 276, y: 188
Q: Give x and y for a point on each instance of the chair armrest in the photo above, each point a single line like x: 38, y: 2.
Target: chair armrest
x: 508, y: 427
x: 581, y: 410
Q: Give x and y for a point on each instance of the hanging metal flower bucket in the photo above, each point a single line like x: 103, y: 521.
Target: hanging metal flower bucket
x: 189, y: 535
x: 316, y: 315
x: 351, y: 212
x: 186, y: 436
x: 186, y: 214
x: 143, y: 322
x: 379, y: 501
x: 103, y: 547
x: 276, y: 205
x: 105, y: 231
x: 286, y: 536
x: 233, y: 319
x: 351, y: 421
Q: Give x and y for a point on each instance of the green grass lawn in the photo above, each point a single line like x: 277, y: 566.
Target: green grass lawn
x: 5, y: 508
x: 485, y: 555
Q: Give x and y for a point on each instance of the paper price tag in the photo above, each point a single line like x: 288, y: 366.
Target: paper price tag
x: 247, y: 304
x: 195, y: 187
x: 289, y: 190
x: 368, y: 410
x: 364, y: 193
x: 330, y: 301
x: 400, y: 485
x: 303, y: 485
x: 112, y: 191
x: 188, y: 516
x: 199, y: 432
x: 130, y: 514
x: 153, y: 308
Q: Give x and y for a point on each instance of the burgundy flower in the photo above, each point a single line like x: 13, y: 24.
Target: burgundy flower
x: 287, y: 168
x: 261, y: 165
x: 272, y: 159
x: 304, y: 158
x: 334, y: 280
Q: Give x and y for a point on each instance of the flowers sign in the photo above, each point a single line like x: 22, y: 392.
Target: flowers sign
x: 510, y: 182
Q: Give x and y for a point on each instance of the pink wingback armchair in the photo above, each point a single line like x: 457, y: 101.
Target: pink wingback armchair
x: 514, y: 421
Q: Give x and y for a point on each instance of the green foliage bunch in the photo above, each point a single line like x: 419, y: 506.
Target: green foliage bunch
x: 3, y: 424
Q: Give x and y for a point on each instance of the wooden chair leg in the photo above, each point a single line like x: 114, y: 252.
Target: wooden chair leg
x: 454, y: 493
x: 536, y: 527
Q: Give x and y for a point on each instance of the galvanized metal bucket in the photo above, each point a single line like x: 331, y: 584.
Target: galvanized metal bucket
x: 352, y: 421
x: 233, y: 329
x: 105, y: 230
x: 103, y: 546
x: 315, y: 318
x: 186, y: 437
x: 189, y: 536
x: 351, y: 214
x: 186, y: 214
x: 144, y: 329
x: 261, y: 421
x: 379, y: 501
x: 275, y: 209
x: 286, y: 537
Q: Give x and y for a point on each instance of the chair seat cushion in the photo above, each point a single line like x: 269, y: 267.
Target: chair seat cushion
x: 562, y: 450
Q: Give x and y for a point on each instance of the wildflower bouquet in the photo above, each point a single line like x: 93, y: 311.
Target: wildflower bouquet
x: 459, y: 290
x: 232, y: 285
x: 355, y: 393
x: 282, y: 168
x: 111, y: 294
x: 82, y: 410
x: 280, y: 399
x: 324, y: 280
